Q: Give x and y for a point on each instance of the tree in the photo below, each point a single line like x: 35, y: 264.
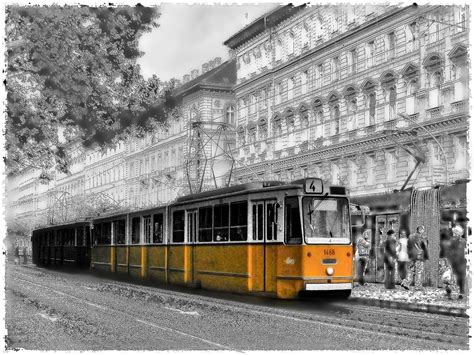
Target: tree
x: 72, y: 74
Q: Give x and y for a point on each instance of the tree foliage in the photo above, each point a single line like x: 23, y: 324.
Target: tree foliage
x: 72, y: 74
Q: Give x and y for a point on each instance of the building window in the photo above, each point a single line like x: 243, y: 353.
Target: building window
x: 410, y: 99
x: 371, y: 103
x: 252, y: 107
x: 319, y: 76
x: 352, y: 173
x: 391, y: 166
x: 370, y: 164
x: 278, y: 91
x: 460, y: 149
x: 390, y: 40
x: 369, y: 54
x: 335, y: 116
x: 304, y: 36
x: 278, y: 50
x: 335, y: 70
x: 304, y: 82
x: 351, y: 61
x: 291, y: 88
x: 411, y: 36
x: 434, y: 99
x: 352, y: 118
x: 335, y: 177
x: 291, y: 43
x: 230, y: 115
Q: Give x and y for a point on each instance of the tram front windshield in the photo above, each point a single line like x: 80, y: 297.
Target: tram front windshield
x: 326, y: 220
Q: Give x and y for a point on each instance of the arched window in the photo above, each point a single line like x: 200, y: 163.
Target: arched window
x: 262, y: 129
x: 304, y: 116
x: 352, y: 117
x: 371, y: 101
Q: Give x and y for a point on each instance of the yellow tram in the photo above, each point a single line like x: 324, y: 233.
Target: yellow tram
x: 267, y: 238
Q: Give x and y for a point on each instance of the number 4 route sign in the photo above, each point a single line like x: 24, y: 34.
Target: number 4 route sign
x: 313, y: 186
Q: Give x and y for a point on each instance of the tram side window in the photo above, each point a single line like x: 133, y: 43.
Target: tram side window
x: 158, y: 228
x: 238, y: 221
x: 135, y: 230
x: 205, y: 224
x: 292, y: 221
x: 106, y: 233
x: 87, y: 236
x: 119, y: 232
x: 69, y: 237
x: 221, y: 223
x: 178, y: 226
x: 97, y: 234
x: 147, y: 229
x: 81, y: 240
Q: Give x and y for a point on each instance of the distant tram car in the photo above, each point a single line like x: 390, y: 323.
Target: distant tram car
x: 267, y: 238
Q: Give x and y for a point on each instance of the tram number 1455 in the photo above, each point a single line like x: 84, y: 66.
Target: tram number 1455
x: 329, y: 252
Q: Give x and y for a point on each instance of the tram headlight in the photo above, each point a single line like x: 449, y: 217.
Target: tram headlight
x: 329, y: 271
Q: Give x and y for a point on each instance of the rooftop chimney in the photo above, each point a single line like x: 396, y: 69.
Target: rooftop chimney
x: 205, y: 68
x: 194, y: 74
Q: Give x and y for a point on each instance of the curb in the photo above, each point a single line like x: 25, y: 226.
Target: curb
x: 427, y: 308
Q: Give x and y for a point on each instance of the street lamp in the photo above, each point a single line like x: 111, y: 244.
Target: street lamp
x: 406, y: 117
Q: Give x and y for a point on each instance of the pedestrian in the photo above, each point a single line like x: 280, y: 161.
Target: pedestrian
x: 25, y: 255
x: 421, y: 248
x: 417, y: 253
x: 446, y: 276
x: 457, y: 258
x: 402, y: 255
x: 389, y: 259
x: 17, y: 255
x: 363, y: 253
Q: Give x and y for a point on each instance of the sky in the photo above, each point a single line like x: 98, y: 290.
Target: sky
x: 191, y: 35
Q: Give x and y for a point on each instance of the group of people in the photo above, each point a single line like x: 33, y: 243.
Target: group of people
x: 21, y: 254
x: 408, y: 255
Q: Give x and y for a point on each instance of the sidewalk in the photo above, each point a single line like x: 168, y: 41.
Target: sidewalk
x: 431, y: 299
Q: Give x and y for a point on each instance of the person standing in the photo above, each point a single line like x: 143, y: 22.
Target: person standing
x: 421, y: 248
x: 402, y: 255
x: 417, y: 254
x: 457, y: 258
x: 17, y: 255
x: 389, y: 258
x: 363, y: 251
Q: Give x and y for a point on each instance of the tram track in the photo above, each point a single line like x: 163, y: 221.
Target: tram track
x: 440, y: 329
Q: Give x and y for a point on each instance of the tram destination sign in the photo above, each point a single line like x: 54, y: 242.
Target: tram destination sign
x: 313, y: 186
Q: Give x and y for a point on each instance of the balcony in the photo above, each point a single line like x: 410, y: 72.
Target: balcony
x: 434, y: 112
x: 460, y: 106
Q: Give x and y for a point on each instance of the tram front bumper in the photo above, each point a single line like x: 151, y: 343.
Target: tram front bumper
x: 328, y: 286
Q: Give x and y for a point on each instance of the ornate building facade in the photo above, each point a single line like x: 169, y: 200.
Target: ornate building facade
x: 371, y: 97
x: 334, y: 93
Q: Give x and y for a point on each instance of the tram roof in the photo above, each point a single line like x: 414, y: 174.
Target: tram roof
x: 231, y: 189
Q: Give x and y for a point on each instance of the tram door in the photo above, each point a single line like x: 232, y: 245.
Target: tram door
x: 264, y: 231
x: 191, y: 230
